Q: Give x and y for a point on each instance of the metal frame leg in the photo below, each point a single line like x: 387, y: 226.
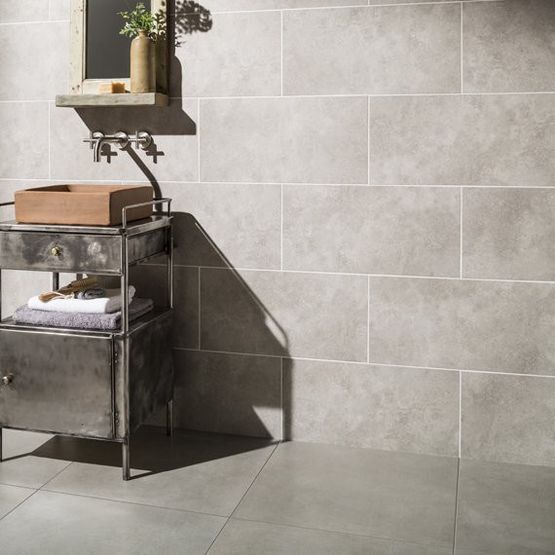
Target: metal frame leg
x: 0, y: 444
x: 169, y: 418
x: 125, y: 462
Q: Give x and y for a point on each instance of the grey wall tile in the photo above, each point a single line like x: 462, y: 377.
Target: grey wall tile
x: 23, y: 10
x: 505, y: 508
x: 150, y: 282
x: 174, y: 130
x: 309, y: 315
x: 321, y: 140
x: 233, y: 5
x: 401, y: 49
x: 232, y: 394
x: 509, y: 233
x: 24, y: 148
x: 59, y: 9
x: 239, y: 55
x: 468, y: 140
x: 19, y: 286
x: 239, y: 224
x: 509, y: 46
x: 480, y: 325
x: 23, y: 74
x: 508, y: 418
x: 379, y: 230
x: 395, y: 409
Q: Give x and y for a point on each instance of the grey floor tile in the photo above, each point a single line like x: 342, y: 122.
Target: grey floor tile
x: 506, y: 509
x: 52, y: 523
x: 11, y: 497
x: 197, y: 472
x: 242, y: 537
x: 20, y: 467
x: 388, y: 495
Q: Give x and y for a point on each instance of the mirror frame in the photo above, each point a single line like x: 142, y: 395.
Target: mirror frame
x: 78, y: 48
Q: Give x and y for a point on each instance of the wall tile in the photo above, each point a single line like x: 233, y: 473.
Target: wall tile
x: 479, y: 325
x: 509, y: 233
x: 380, y: 230
x: 395, y: 409
x: 150, y: 282
x: 24, y: 148
x: 23, y: 10
x: 19, y: 286
x: 233, y: 394
x: 469, y: 140
x: 321, y: 140
x: 508, y: 418
x: 23, y: 74
x: 239, y: 224
x: 401, y: 49
x: 309, y: 315
x: 509, y: 46
x: 174, y: 130
x: 239, y: 55
x: 505, y: 508
x: 59, y: 9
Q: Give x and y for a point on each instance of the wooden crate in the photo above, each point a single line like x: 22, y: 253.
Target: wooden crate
x: 81, y: 204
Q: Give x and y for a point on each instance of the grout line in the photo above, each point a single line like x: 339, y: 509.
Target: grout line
x: 368, y: 138
x: 199, y: 331
x: 56, y: 475
x: 368, y: 321
x: 217, y: 536
x: 281, y: 52
x: 131, y: 502
x: 19, y: 504
x: 461, y: 196
x: 49, y: 142
x: 198, y: 141
x: 358, y: 274
x: 460, y: 414
x: 42, y: 21
x: 456, y: 506
x: 364, y: 363
x: 281, y: 230
x: 461, y: 50
x: 254, y: 479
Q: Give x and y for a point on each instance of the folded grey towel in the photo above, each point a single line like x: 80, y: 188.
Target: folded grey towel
x: 80, y: 320
x: 92, y: 293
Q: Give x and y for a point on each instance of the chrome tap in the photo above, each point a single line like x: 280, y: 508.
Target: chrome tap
x: 97, y: 139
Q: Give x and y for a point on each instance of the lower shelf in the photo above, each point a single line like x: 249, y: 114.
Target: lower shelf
x: 124, y: 99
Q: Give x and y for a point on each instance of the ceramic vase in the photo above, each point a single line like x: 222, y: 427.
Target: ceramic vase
x: 143, y: 64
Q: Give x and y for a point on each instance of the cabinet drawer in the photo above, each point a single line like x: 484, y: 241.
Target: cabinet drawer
x: 58, y: 383
x: 60, y: 253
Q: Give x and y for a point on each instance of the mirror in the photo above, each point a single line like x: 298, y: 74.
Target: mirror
x: 107, y: 52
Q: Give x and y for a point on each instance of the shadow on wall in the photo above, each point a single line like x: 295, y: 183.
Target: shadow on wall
x: 208, y: 400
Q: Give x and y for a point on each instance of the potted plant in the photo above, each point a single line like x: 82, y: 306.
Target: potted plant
x: 145, y: 28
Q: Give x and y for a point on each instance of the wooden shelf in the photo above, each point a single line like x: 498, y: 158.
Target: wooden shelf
x: 106, y: 100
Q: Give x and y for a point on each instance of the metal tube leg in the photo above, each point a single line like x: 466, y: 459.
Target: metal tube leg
x: 0, y: 444
x: 169, y: 418
x: 125, y: 460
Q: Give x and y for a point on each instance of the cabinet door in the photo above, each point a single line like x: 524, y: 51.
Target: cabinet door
x: 57, y: 383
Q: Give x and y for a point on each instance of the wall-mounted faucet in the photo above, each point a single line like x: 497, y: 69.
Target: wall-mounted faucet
x: 97, y: 139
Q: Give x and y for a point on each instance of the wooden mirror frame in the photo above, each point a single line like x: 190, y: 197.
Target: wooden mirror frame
x: 78, y: 82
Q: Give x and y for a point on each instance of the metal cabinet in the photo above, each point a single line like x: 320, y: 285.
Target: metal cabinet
x: 86, y: 383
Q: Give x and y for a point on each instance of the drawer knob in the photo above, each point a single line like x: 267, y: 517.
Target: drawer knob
x: 56, y: 251
x: 6, y: 380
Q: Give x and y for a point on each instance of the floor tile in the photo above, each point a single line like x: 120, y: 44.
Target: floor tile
x: 11, y: 497
x: 388, y: 495
x: 242, y: 537
x: 67, y: 524
x: 20, y: 467
x: 506, y: 508
x: 199, y: 472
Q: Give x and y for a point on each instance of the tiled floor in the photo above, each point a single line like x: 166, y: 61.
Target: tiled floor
x: 202, y: 493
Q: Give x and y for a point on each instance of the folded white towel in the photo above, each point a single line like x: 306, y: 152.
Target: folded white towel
x: 103, y: 305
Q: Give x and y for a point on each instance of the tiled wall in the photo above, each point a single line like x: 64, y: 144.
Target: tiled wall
x: 365, y: 226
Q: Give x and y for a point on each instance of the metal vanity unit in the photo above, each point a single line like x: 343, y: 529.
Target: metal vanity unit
x: 85, y: 383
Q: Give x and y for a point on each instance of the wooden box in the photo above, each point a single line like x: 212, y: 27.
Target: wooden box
x: 81, y: 204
